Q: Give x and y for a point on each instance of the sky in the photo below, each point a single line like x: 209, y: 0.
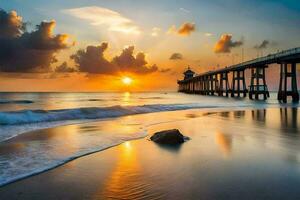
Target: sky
x: 80, y: 45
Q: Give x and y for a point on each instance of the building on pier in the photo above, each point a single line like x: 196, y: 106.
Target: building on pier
x: 188, y: 74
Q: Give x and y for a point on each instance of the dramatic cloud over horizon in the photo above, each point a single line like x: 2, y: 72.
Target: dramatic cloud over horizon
x: 176, y: 56
x: 92, y: 60
x: 225, y: 44
x: 23, y: 51
x: 185, y: 29
x: 64, y: 68
x: 11, y: 25
x: 98, y: 16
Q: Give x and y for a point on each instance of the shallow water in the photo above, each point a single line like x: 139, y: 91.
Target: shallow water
x: 251, y: 154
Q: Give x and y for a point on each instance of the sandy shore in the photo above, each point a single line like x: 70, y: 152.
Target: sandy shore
x: 231, y: 155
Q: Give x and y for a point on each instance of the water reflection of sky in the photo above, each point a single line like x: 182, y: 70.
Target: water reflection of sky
x: 253, y: 154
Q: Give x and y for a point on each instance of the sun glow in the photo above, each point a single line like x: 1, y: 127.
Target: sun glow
x: 127, y: 80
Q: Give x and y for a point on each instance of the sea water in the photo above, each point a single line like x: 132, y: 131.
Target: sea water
x: 23, y: 154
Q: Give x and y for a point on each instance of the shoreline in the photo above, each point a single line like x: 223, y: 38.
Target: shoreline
x: 203, y: 113
x: 85, y: 170
x: 63, y: 163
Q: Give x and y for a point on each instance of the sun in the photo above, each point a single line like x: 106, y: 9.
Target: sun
x: 127, y: 80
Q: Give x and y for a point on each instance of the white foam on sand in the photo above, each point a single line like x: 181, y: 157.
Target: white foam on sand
x: 36, y: 159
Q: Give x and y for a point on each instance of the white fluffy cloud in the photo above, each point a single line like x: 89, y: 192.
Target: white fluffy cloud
x: 155, y: 31
x: 99, y: 16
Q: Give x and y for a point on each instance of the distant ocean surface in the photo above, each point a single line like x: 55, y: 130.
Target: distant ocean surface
x: 24, y: 112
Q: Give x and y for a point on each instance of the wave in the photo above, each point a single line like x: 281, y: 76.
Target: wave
x: 3, y: 101
x: 37, y: 116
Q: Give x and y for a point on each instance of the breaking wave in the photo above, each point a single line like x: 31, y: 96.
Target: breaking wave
x: 37, y: 116
x: 3, y: 101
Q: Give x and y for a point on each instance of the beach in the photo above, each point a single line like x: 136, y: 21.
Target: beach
x: 149, y: 100
x: 243, y: 154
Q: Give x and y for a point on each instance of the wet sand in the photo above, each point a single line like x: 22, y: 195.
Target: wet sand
x: 231, y: 155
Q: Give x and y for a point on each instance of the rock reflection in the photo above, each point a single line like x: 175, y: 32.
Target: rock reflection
x: 171, y: 148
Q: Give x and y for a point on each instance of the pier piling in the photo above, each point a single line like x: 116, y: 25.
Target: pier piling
x: 258, y: 83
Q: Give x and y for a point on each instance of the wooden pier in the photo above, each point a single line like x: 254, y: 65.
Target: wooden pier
x: 217, y: 82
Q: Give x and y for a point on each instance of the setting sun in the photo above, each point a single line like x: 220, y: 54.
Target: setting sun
x: 127, y: 80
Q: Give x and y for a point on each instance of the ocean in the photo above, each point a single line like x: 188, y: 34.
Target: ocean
x: 21, y: 113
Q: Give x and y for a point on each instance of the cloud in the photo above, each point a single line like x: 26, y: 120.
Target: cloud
x: 64, y: 68
x: 99, y: 16
x: 155, y: 32
x: 23, y: 51
x: 92, y: 61
x: 44, y: 39
x: 176, y: 56
x: 185, y: 29
x: 225, y: 44
x: 165, y: 70
x: 172, y: 30
x: 137, y: 64
x: 11, y: 25
x: 208, y: 34
x: 263, y: 45
x: 184, y: 10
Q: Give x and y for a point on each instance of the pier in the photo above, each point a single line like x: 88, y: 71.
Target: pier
x: 217, y: 82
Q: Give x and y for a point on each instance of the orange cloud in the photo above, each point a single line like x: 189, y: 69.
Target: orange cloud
x: 225, y: 44
x: 185, y: 29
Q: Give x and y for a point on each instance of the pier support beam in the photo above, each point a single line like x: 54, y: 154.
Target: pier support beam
x: 197, y: 85
x: 288, y: 72
x: 238, y: 83
x: 201, y: 85
x: 206, y: 85
x: 258, y: 83
x: 213, y: 84
x: 224, y: 84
